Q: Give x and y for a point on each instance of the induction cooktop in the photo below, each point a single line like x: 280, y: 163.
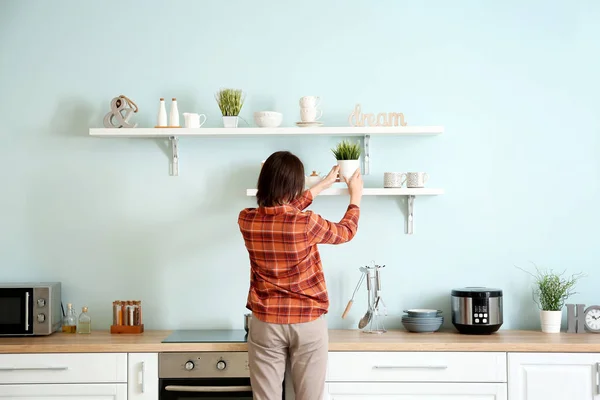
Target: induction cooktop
x: 207, y: 336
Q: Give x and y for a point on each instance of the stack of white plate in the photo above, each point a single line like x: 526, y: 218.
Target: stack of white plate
x: 422, y: 320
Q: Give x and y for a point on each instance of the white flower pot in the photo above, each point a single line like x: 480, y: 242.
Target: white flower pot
x: 551, y: 321
x: 347, y: 168
x: 230, y: 122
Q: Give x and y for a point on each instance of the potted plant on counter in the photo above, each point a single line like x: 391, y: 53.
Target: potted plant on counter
x: 347, y: 155
x: 550, y: 292
x: 230, y: 102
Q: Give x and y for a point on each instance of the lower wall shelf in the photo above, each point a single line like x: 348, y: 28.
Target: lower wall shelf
x: 340, y: 191
x: 411, y: 193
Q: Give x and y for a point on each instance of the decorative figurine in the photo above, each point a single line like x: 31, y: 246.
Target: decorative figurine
x: 120, y: 111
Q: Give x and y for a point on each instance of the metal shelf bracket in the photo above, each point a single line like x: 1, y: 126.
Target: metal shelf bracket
x: 411, y: 215
x: 175, y: 156
x: 367, y: 154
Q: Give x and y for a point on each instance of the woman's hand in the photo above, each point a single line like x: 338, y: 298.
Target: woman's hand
x: 355, y: 187
x: 326, y: 182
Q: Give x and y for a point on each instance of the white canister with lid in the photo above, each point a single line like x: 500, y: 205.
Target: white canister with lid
x: 313, y: 179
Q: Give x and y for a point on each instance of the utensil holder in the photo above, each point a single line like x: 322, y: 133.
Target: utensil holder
x: 377, y: 323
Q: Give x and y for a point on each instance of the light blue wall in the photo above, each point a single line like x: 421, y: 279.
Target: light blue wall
x: 515, y: 84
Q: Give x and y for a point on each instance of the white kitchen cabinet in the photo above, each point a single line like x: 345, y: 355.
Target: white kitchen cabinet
x: 420, y: 391
x: 142, y: 382
x: 63, y: 368
x: 64, y: 392
x: 416, y: 367
x: 553, y: 376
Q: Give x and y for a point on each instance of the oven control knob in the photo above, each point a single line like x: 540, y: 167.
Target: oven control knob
x: 221, y: 365
x: 41, y: 317
x: 41, y: 303
x: 189, y: 365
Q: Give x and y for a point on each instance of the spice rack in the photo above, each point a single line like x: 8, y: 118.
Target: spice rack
x: 127, y: 317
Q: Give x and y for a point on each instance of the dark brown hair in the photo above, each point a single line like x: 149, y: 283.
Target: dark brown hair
x: 281, y: 179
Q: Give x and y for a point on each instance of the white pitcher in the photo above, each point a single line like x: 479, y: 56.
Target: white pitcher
x: 193, y: 120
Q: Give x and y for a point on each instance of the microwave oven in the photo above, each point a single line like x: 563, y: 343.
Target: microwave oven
x: 30, y: 309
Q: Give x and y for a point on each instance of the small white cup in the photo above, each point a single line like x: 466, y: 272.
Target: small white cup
x: 416, y: 179
x: 393, y: 179
x: 310, y: 114
x: 310, y: 101
x: 193, y: 120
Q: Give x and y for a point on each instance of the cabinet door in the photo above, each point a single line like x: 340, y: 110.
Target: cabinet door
x: 142, y: 382
x: 64, y: 392
x: 553, y: 376
x: 414, y: 391
x: 63, y: 368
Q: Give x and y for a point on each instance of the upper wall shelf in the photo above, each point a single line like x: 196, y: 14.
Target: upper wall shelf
x: 286, y: 131
x: 173, y: 134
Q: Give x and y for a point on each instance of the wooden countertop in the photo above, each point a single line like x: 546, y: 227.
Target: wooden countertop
x: 339, y: 340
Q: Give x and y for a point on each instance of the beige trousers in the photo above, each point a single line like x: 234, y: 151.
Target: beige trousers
x: 271, y: 346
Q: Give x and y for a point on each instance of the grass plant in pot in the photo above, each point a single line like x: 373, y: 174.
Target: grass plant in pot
x: 230, y: 102
x: 550, y: 292
x: 347, y: 155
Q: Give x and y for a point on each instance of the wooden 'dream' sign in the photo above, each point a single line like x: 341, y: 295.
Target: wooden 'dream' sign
x: 382, y: 119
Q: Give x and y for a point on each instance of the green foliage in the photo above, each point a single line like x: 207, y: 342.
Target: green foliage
x: 230, y: 101
x: 346, y: 150
x: 551, y: 290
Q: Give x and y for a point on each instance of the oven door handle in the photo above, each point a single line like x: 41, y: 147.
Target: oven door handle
x: 208, y: 389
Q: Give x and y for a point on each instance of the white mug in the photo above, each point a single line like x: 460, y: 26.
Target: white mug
x: 416, y: 179
x: 193, y: 120
x: 393, y: 179
x: 310, y: 114
x: 309, y: 101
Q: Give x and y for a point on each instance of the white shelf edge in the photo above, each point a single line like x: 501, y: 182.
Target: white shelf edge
x: 375, y: 192
x: 284, y: 131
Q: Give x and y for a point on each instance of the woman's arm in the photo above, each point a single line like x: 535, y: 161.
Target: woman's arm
x: 323, y: 231
x: 307, y: 196
x: 326, y: 182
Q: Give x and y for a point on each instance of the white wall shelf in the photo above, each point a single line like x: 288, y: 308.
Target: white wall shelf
x: 285, y: 131
x: 411, y: 193
x: 335, y: 191
x: 173, y: 134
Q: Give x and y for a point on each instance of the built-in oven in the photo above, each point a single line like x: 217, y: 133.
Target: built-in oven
x: 210, y: 375
x: 30, y: 308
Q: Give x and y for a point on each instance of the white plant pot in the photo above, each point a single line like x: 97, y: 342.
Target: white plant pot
x: 230, y: 122
x: 551, y: 321
x: 348, y: 167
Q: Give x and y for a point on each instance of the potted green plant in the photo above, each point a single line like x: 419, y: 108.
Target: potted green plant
x: 550, y: 292
x: 347, y: 155
x: 230, y: 102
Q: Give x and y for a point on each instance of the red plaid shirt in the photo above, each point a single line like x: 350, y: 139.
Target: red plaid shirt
x: 287, y: 285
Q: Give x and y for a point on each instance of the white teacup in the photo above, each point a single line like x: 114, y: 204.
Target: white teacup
x: 193, y: 120
x: 393, y: 179
x: 416, y: 179
x: 309, y: 101
x: 310, y: 114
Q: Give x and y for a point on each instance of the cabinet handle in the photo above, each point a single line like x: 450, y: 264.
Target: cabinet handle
x: 143, y: 377
x: 411, y: 367
x: 10, y: 369
x: 26, y: 312
x: 598, y: 378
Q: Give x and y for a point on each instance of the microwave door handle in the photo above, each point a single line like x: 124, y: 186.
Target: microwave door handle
x: 208, y: 389
x: 26, y: 311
